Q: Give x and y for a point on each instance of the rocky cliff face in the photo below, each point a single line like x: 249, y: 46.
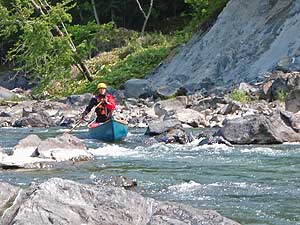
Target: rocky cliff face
x: 249, y: 39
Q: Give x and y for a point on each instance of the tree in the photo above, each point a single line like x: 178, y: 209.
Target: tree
x: 43, y: 44
x: 95, y: 12
x: 146, y: 16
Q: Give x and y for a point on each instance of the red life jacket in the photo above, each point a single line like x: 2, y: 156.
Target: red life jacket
x: 106, y: 109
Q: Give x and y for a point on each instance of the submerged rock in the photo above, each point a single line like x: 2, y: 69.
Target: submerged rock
x: 59, y: 201
x: 214, y: 140
x: 116, y: 181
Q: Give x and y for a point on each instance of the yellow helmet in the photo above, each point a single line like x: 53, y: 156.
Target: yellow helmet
x: 102, y: 85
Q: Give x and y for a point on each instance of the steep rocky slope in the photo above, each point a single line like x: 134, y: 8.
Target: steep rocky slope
x: 249, y: 39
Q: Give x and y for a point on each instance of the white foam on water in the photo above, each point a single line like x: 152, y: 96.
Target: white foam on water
x: 112, y: 150
x: 186, y: 186
x: 73, y: 131
x: 262, y: 150
x: 92, y: 176
x: 291, y: 143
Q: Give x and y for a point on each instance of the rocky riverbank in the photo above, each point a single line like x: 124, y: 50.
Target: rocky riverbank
x: 261, y: 119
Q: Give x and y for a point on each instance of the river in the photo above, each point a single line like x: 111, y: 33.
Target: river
x: 249, y: 184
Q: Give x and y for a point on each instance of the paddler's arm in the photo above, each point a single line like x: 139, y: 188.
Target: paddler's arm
x: 93, y: 102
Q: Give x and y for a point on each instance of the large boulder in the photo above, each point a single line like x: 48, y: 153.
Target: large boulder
x: 65, y: 147
x: 192, y: 118
x: 59, y: 201
x: 160, y: 126
x: 258, y: 129
x: 171, y: 105
x: 137, y: 88
x: 78, y: 100
x: 249, y: 39
x: 32, y: 153
x: 40, y: 119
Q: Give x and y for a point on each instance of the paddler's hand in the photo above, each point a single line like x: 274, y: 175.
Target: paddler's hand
x: 105, y: 101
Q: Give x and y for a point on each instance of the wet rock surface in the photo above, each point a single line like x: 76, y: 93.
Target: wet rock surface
x: 59, y: 201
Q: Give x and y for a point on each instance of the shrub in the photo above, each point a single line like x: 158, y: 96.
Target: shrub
x: 239, y: 96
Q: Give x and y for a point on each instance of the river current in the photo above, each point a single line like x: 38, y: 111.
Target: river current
x: 249, y: 184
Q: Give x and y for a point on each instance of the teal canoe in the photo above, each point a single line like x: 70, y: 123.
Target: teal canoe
x: 112, y: 130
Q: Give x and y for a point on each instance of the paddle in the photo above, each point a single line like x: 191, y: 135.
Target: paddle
x: 80, y: 120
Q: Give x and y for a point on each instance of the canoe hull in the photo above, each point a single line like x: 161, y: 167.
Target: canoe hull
x: 110, y: 131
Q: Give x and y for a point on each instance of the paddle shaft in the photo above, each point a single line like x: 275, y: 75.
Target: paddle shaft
x: 80, y: 120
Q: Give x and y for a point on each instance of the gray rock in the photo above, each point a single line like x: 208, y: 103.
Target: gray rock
x: 8, y: 194
x: 64, y: 147
x: 248, y: 89
x: 211, y: 102
x: 47, y: 153
x: 230, y: 108
x: 137, y: 88
x: 116, y: 181
x: 249, y: 39
x: 27, y: 147
x: 292, y: 101
x: 6, y: 94
x: 192, y: 118
x: 174, y: 136
x: 40, y: 119
x: 5, y: 114
x: 11, y: 80
x: 258, y: 129
x: 277, y: 82
x: 214, y: 140
x: 171, y: 106
x: 160, y: 126
x: 78, y: 100
x: 58, y: 201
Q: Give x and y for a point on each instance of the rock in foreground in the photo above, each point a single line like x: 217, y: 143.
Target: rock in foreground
x: 59, y: 201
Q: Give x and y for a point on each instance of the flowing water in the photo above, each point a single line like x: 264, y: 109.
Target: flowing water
x: 249, y: 184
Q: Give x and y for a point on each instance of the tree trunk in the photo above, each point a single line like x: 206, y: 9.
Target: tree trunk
x: 81, y: 65
x: 95, y: 12
x: 146, y: 16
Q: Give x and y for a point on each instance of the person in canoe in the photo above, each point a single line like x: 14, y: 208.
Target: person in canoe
x: 105, y: 104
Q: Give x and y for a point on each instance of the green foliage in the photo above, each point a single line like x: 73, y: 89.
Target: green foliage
x: 239, y: 96
x: 281, y: 95
x: 37, y: 49
x: 202, y: 10
x: 113, y: 54
x: 114, y: 68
